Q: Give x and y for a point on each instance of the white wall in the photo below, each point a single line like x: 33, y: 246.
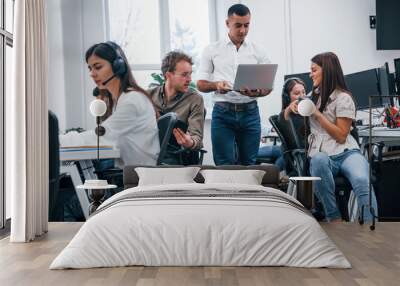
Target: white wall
x: 345, y: 31
x: 268, y: 25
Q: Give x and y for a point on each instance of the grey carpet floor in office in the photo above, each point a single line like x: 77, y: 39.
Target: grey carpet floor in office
x: 374, y: 255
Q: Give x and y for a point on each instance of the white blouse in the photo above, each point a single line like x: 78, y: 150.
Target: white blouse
x: 340, y: 104
x: 133, y: 129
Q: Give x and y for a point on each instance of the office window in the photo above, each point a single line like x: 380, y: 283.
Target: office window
x: 8, y: 86
x: 9, y: 15
x: 144, y: 78
x: 134, y: 24
x: 2, y: 194
x: 189, y: 34
x: 147, y: 30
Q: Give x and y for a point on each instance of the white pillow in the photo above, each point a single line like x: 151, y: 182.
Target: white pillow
x: 166, y: 176
x: 248, y: 177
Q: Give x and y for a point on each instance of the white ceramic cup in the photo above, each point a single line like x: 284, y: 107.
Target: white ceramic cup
x: 306, y: 107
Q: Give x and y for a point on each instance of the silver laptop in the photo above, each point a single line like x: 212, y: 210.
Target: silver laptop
x: 255, y: 76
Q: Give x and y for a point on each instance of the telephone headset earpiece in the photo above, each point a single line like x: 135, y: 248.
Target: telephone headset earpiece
x: 285, y: 92
x: 118, y: 66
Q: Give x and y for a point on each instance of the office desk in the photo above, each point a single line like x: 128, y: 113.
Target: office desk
x: 390, y: 137
x: 73, y: 159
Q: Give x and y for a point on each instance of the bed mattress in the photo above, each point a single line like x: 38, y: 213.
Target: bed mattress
x: 201, y: 225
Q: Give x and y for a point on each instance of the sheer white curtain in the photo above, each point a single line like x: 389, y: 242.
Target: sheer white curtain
x: 28, y: 120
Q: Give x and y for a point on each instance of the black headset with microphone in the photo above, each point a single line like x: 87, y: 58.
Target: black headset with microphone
x: 285, y: 93
x: 119, y: 66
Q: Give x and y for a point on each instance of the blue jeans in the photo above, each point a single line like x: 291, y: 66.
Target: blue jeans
x: 351, y: 164
x: 235, y: 136
x: 274, y: 152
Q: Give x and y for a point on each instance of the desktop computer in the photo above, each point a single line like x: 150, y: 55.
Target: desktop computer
x: 386, y: 172
x: 397, y: 74
x: 362, y: 85
x: 384, y: 84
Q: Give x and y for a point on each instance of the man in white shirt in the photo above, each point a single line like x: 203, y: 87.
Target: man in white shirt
x: 235, y: 125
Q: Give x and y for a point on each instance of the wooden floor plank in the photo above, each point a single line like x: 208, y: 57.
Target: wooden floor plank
x: 374, y: 255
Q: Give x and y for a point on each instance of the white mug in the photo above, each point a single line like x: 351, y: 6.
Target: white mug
x: 306, y: 107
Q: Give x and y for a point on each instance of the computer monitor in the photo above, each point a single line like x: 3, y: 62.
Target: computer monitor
x: 387, y: 24
x: 304, y: 77
x: 362, y: 85
x: 392, y: 83
x: 384, y: 83
x: 397, y: 74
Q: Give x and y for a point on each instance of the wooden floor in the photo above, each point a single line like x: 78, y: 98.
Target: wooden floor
x: 374, y: 255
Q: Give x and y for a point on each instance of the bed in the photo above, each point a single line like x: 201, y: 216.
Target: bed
x: 201, y: 224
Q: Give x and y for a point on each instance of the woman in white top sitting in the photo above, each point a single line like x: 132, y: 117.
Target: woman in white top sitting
x: 132, y: 125
x: 332, y: 148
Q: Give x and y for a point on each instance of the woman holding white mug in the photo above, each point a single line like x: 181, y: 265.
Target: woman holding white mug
x: 332, y: 148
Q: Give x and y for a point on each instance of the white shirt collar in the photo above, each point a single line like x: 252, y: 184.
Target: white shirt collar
x: 228, y: 41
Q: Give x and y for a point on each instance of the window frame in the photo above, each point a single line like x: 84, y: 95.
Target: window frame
x: 165, y: 31
x: 6, y: 39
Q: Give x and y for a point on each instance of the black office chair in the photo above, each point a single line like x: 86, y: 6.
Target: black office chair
x: 264, y: 160
x: 166, y: 124
x: 293, y: 155
x: 56, y: 209
x: 195, y: 157
x: 168, y: 144
x: 191, y: 157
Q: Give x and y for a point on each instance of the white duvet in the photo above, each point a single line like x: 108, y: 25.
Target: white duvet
x: 207, y: 230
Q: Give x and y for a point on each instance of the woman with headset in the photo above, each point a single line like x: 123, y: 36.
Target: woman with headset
x: 293, y: 89
x: 131, y: 124
x: 332, y: 148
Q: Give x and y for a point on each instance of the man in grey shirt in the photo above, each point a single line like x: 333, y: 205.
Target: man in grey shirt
x: 175, y: 95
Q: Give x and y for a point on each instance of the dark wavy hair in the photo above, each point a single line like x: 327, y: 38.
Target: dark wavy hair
x: 109, y: 52
x: 332, y: 78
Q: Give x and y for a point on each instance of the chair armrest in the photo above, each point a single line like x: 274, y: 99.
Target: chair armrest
x: 109, y: 172
x: 298, y: 151
x: 295, y: 151
x: 202, y: 151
